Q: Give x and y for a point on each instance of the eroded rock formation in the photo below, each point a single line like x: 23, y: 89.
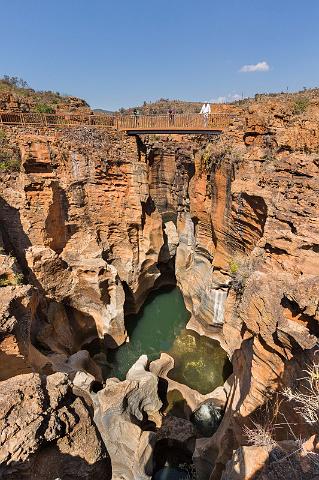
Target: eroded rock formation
x: 47, y: 432
x: 95, y: 220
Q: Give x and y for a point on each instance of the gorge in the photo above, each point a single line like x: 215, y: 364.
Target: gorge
x: 159, y: 294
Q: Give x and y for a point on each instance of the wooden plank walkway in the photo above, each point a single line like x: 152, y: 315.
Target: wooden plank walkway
x: 128, y: 123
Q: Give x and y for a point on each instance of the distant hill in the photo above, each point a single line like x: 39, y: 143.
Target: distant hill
x: 161, y: 107
x: 102, y: 111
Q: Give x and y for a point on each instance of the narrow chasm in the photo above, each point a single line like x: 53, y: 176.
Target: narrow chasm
x: 164, y: 344
x: 189, y: 364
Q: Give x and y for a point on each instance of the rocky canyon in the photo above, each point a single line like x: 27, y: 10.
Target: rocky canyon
x: 91, y: 222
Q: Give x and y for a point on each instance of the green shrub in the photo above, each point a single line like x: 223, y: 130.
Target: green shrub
x: 9, y: 160
x: 14, y: 279
x: 240, y: 269
x: 206, y: 158
x: 18, y: 279
x: 154, y: 138
x: 300, y: 105
x: 4, y: 280
x: 44, y: 108
x: 233, y: 266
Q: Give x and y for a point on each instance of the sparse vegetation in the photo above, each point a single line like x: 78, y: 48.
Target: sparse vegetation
x: 14, y: 81
x: 240, y: 269
x: 206, y: 157
x: 218, y: 150
x: 2, y: 136
x: 233, y: 266
x: 10, y: 160
x: 300, y: 105
x: 33, y: 100
x: 44, y: 108
x: 307, y: 402
x: 4, y: 280
x: 261, y: 436
x: 290, y: 463
x: 154, y: 138
x: 11, y: 279
x: 161, y: 107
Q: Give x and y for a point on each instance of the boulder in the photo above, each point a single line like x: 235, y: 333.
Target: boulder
x: 47, y: 432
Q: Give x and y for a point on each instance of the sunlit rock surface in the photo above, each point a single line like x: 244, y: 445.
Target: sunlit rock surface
x: 123, y: 410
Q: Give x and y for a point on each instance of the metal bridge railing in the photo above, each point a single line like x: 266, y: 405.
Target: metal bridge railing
x: 216, y: 121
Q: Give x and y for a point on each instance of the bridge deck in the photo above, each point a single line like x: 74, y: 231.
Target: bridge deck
x: 132, y: 124
x: 172, y: 130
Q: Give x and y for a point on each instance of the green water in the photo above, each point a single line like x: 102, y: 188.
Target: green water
x: 152, y: 331
x: 160, y: 327
x: 200, y: 362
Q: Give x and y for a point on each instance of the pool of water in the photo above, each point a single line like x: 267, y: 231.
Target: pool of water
x: 200, y: 362
x: 159, y: 327
x: 152, y: 331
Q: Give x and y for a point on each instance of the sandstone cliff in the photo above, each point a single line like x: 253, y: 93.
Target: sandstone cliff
x: 94, y: 220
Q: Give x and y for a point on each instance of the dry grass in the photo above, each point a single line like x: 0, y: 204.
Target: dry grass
x: 307, y: 401
x: 260, y: 436
x: 285, y: 464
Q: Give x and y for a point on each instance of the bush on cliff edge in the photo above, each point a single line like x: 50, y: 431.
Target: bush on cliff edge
x: 10, y: 160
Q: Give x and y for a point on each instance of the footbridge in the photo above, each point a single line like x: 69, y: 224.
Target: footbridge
x: 212, y: 124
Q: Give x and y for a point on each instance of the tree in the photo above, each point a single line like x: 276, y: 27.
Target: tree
x: 14, y: 81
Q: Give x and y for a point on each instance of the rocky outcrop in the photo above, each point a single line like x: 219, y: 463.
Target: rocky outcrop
x: 47, y: 432
x: 126, y: 414
x: 194, y: 399
x: 271, y: 311
x: 287, y: 459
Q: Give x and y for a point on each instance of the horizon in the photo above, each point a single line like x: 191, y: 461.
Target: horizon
x: 119, y: 56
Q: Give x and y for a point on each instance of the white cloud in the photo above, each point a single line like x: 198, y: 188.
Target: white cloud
x: 231, y: 97
x: 258, y: 67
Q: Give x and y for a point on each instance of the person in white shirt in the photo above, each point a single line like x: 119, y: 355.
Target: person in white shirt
x: 205, y: 111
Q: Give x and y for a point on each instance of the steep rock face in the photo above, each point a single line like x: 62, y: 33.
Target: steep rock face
x: 92, y: 219
x: 47, y: 432
x: 78, y: 221
x: 266, y: 243
x: 15, y: 321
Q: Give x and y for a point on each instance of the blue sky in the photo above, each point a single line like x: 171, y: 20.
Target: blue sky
x: 119, y: 53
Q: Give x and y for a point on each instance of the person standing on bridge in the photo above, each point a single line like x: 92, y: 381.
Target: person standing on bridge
x: 205, y: 111
x: 171, y: 115
x: 136, y: 114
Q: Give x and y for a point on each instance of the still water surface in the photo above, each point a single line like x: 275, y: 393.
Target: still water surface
x: 200, y: 362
